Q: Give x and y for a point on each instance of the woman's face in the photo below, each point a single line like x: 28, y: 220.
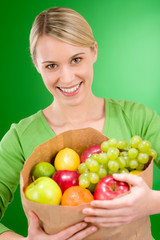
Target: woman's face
x: 67, y: 70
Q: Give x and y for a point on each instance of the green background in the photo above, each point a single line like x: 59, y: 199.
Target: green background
x: 128, y: 36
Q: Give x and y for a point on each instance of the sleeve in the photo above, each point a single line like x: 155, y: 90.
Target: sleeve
x: 11, y: 164
x: 146, y: 123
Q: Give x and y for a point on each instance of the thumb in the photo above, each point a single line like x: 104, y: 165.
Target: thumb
x: 134, y: 180
x: 33, y: 221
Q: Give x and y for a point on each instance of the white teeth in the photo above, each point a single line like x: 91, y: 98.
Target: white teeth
x: 70, y: 90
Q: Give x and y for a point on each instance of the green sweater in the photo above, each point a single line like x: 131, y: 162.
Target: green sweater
x: 123, y: 120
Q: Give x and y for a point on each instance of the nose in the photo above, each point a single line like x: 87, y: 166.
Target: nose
x: 66, y: 75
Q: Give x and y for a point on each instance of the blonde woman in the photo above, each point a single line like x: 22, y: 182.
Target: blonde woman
x: 64, y: 51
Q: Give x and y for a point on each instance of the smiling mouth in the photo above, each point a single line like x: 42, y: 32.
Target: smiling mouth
x: 70, y: 90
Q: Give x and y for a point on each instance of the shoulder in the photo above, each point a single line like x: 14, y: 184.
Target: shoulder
x: 24, y: 136
x: 18, y: 130
x: 128, y: 107
x: 138, y: 116
x: 121, y: 103
x: 31, y: 122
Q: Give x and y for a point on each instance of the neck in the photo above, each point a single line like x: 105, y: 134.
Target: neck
x: 74, y: 114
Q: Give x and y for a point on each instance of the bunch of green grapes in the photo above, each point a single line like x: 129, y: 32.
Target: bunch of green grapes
x: 116, y: 157
x: 93, y: 170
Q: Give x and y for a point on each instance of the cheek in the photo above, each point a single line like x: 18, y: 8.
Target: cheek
x: 48, y: 78
x: 49, y: 82
x: 88, y: 72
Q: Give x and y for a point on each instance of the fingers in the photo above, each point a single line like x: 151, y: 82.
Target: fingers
x: 71, y: 230
x: 34, y: 226
x: 113, y: 224
x: 134, y: 180
x: 34, y: 221
x: 105, y: 212
x: 104, y: 220
x: 82, y: 234
x: 108, y: 218
x: 112, y: 204
x: 76, y: 232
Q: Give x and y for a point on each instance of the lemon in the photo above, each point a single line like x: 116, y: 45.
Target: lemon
x: 135, y: 172
x: 67, y: 159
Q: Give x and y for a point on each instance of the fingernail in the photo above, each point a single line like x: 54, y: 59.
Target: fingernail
x: 93, y: 203
x: 85, y: 211
x: 84, y: 224
x: 93, y: 229
x: 116, y: 174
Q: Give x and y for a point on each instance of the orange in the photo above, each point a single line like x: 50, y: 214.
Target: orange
x: 67, y: 159
x: 76, y: 195
x: 136, y: 172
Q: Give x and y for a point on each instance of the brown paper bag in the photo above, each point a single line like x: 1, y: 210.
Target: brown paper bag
x: 56, y: 218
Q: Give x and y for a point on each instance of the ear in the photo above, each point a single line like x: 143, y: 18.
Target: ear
x: 95, y: 52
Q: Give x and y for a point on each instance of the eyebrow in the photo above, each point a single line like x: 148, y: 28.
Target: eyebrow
x: 75, y: 55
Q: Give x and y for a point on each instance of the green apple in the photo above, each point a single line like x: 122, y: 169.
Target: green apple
x: 44, y: 190
x: 43, y: 169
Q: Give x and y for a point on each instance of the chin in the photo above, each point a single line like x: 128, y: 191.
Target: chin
x: 74, y: 102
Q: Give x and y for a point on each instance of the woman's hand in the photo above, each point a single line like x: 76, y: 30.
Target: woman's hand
x: 138, y: 203
x: 75, y: 232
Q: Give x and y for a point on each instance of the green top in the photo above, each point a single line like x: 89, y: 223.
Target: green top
x: 123, y: 120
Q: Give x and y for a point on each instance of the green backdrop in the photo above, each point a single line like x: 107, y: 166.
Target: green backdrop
x: 128, y: 36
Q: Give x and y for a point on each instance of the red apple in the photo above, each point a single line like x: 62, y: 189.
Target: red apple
x: 108, y: 188
x: 89, y: 151
x: 66, y: 179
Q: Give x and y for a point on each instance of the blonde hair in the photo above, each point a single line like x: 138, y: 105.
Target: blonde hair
x: 64, y: 24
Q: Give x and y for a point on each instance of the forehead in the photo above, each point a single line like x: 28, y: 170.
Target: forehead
x: 49, y: 47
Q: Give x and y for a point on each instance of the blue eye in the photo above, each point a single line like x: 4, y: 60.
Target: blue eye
x: 76, y: 60
x: 51, y: 66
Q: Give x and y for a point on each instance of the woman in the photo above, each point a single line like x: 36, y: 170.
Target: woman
x: 63, y: 50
